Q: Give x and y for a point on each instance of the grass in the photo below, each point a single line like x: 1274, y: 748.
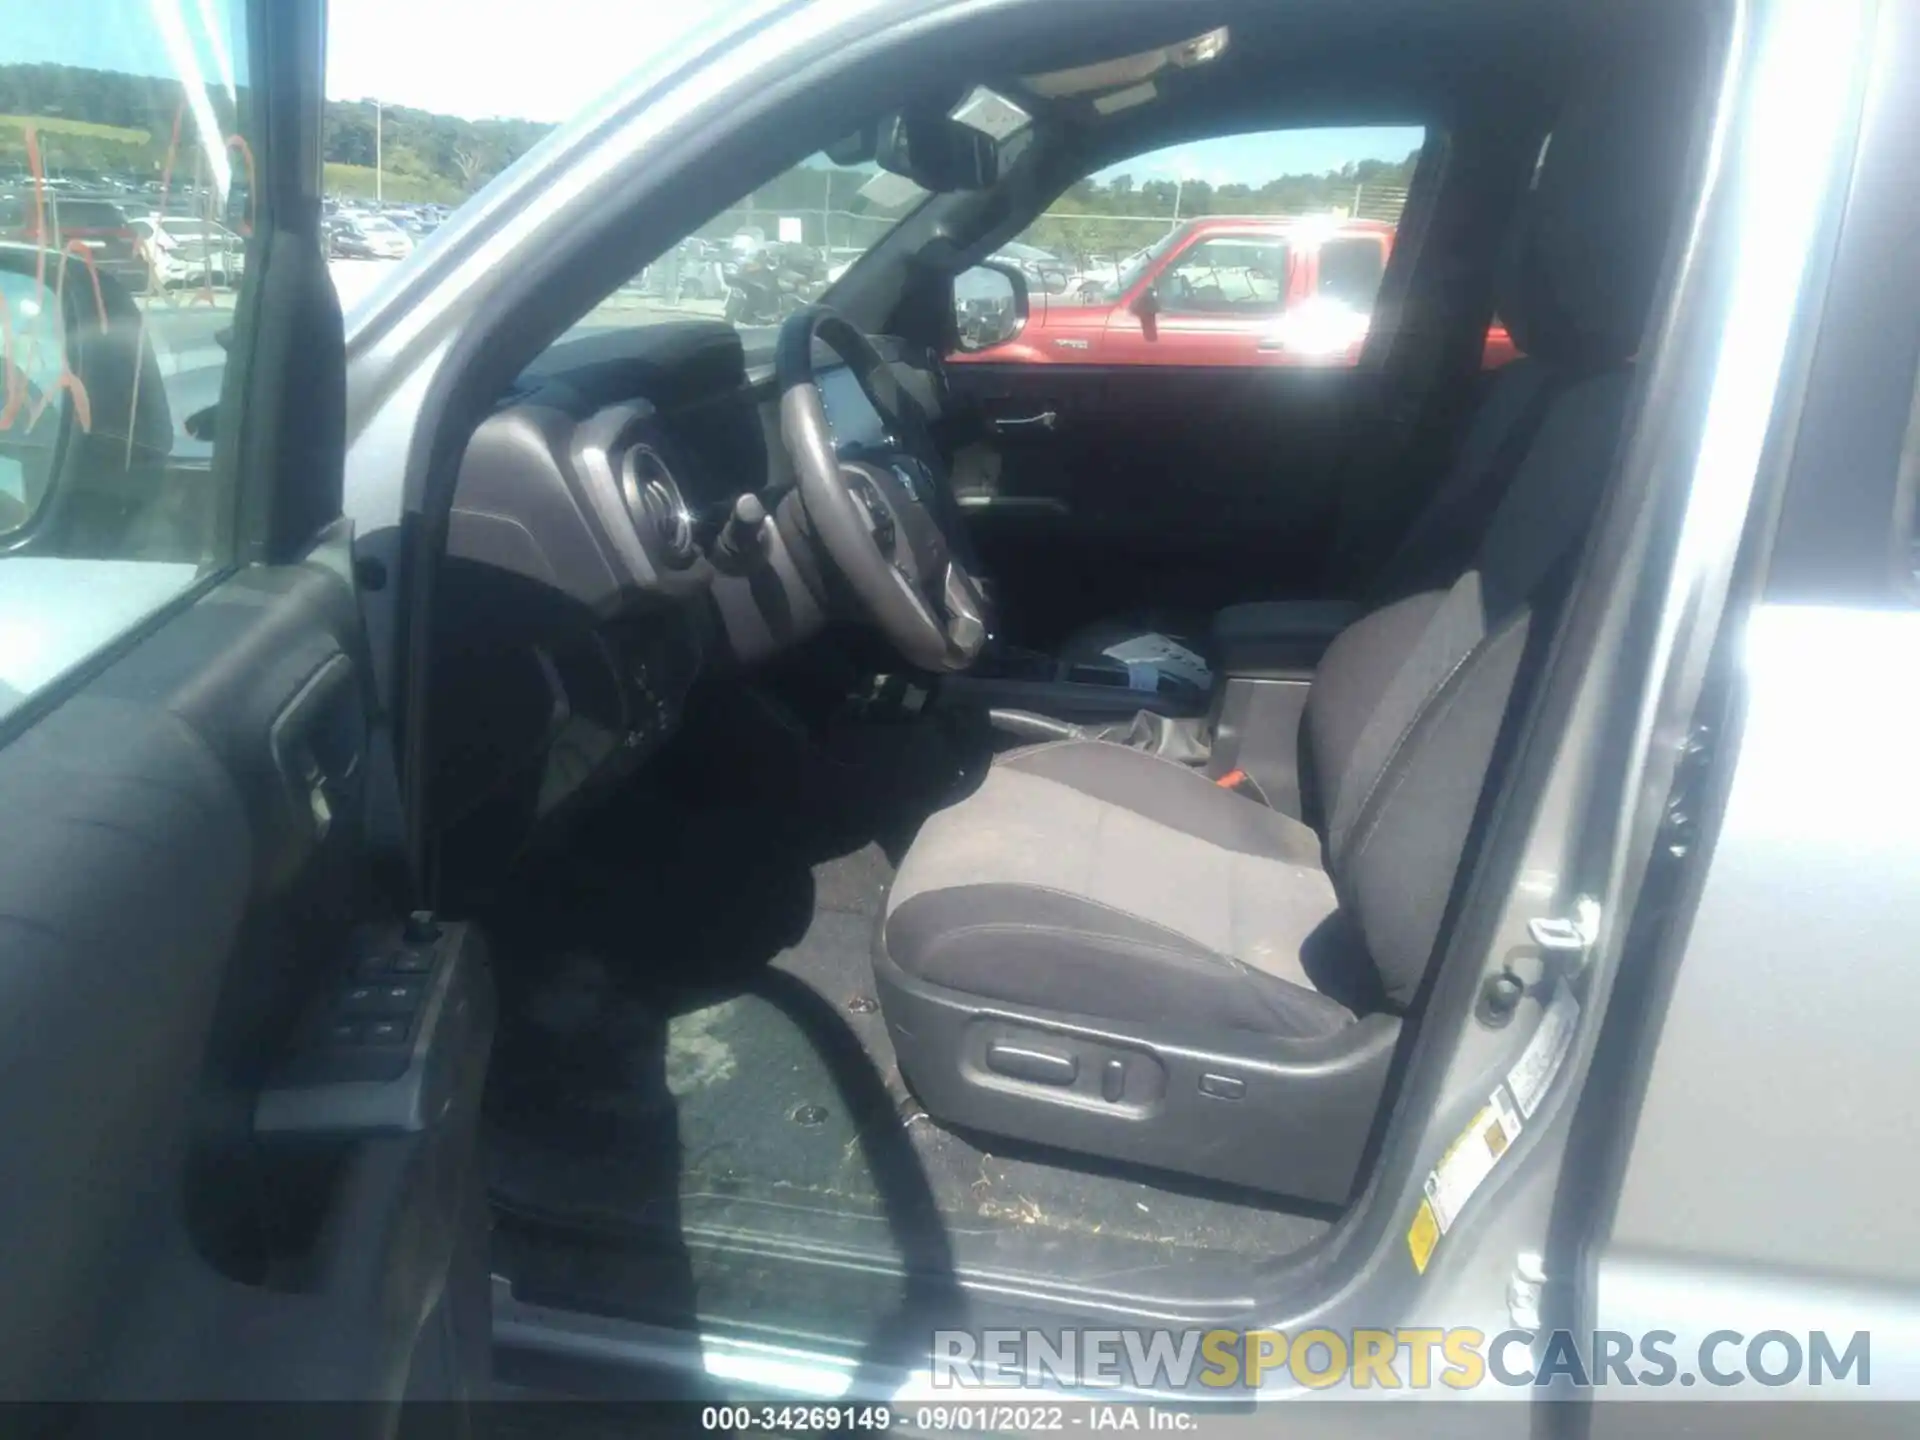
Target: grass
x: 79, y: 129
x: 358, y: 180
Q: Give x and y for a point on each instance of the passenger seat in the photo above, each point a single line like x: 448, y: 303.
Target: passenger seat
x: 1106, y: 952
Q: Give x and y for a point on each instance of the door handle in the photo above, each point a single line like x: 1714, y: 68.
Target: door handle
x: 1045, y: 420
x: 976, y: 501
x: 317, y: 741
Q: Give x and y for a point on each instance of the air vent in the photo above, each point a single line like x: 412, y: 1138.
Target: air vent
x: 658, y: 509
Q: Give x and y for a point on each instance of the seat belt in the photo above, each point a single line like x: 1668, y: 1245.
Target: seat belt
x: 1427, y: 554
x: 1394, y: 424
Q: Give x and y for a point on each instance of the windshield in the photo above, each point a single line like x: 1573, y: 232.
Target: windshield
x: 400, y: 163
x: 775, y: 250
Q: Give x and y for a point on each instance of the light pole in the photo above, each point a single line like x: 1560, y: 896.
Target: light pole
x: 379, y: 183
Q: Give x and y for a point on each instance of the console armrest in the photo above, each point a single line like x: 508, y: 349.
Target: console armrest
x: 1279, y: 639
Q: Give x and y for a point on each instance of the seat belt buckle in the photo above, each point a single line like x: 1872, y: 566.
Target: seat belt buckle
x: 1242, y: 783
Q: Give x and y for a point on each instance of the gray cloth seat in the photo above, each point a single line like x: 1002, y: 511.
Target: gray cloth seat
x: 1095, y: 879
x: 1103, y: 950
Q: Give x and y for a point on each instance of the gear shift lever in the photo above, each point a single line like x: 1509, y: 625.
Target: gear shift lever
x: 744, y: 539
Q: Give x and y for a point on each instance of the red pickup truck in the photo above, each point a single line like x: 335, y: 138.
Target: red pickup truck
x: 1224, y: 290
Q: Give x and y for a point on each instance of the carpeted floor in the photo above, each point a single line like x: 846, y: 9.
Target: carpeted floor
x: 691, y: 1060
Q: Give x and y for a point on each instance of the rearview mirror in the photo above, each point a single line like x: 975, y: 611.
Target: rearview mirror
x: 937, y: 152
x: 855, y: 149
x: 989, y: 306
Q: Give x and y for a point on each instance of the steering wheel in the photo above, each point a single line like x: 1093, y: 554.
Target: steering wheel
x: 887, y: 516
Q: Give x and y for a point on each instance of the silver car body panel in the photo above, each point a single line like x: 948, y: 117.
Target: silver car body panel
x: 1777, y: 1152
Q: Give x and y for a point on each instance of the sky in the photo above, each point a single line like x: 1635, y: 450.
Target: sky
x: 478, y: 58
x: 526, y: 59
x: 1253, y: 159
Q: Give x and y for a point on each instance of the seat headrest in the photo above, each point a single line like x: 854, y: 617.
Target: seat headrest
x: 1578, y: 278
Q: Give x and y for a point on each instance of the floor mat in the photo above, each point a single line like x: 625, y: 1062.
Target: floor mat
x: 698, y: 1062
x: 768, y: 1092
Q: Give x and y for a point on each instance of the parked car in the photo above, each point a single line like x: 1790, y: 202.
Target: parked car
x: 1046, y: 272
x: 1095, y: 273
x: 695, y: 269
x: 773, y: 281
x: 840, y: 260
x: 183, y: 251
x: 1223, y: 290
x: 356, y: 236
x: 55, y: 217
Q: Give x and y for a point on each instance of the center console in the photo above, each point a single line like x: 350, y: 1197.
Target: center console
x: 1267, y: 654
x: 1234, y: 714
x: 1079, y: 691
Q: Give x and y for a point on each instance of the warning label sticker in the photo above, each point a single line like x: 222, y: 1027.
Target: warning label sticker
x: 1540, y: 1061
x: 1494, y: 1128
x: 1422, y: 1236
x: 1471, y: 1158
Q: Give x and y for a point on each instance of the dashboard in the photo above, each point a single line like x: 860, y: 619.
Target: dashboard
x: 594, y: 571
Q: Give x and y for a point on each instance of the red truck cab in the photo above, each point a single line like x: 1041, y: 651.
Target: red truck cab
x: 1224, y: 290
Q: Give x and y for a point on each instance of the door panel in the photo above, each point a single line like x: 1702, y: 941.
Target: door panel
x: 182, y: 899
x: 1181, y: 488
x: 242, y: 1087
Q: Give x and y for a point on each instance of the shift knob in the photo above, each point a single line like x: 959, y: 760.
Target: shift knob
x: 743, y: 539
x: 748, y: 513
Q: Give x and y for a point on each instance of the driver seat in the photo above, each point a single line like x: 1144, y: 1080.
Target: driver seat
x: 1103, y: 950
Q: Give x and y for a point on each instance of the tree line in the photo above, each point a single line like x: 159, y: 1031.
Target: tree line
x: 1118, y: 215
x: 103, y: 124
x: 97, y: 125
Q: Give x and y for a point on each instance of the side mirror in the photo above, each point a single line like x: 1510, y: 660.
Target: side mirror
x: 937, y: 152
x: 1146, y: 308
x: 989, y: 306
x: 81, y: 397
x: 36, y: 391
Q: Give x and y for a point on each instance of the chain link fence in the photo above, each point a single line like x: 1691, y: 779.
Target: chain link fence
x: 1094, y: 243
x: 1091, y: 245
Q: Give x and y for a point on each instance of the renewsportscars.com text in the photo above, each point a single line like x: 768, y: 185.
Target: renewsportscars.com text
x: 1399, y: 1359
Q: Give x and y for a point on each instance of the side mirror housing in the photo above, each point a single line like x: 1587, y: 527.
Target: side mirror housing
x: 83, y: 407
x: 989, y: 306
x: 1146, y: 308
x: 37, y: 387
